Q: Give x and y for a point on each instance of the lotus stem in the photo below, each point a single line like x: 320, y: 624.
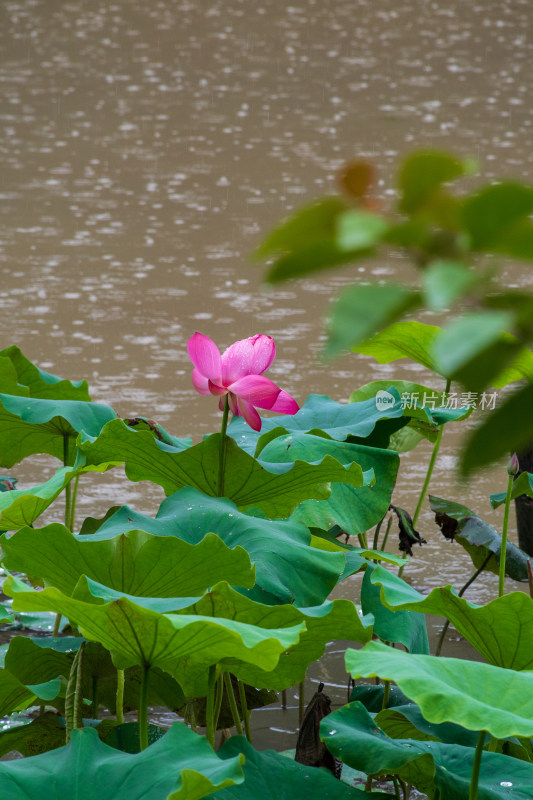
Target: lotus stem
x: 120, y: 696
x: 362, y: 539
x: 73, y: 498
x: 384, y: 542
x: 142, y: 717
x: 245, y: 711
x: 57, y: 623
x: 232, y: 704
x: 431, y: 466
x: 94, y: 707
x: 284, y: 697
x: 210, y: 706
x: 396, y: 787
x: 474, y: 780
x: 376, y: 534
x: 386, y: 695
x: 461, y: 592
x: 219, y: 694
x: 503, y: 551
x: 222, y: 462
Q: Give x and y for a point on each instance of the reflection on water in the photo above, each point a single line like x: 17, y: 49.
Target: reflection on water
x: 147, y: 147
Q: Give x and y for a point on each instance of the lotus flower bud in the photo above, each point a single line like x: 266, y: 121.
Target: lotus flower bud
x: 513, y: 466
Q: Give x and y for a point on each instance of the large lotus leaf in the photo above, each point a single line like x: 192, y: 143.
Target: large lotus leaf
x: 523, y: 484
x: 406, y: 627
x: 292, y: 780
x: 419, y: 402
x: 136, y: 635
x: 287, y: 568
x: 32, y: 660
x: 275, y: 488
x: 351, y: 734
x: 23, y: 506
x: 42, y: 734
x: 36, y: 660
x: 506, y: 430
x: 135, y: 562
x: 502, y: 630
x: 417, y: 341
x: 179, y: 766
x: 338, y: 619
x: 479, y: 539
x: 14, y: 694
x: 32, y: 425
x: 474, y: 695
x: 407, y: 722
x: 354, y: 510
x: 356, y: 557
x: 34, y: 382
x: 408, y: 339
x: 319, y: 413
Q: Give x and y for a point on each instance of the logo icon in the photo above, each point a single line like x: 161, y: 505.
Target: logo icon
x: 384, y: 400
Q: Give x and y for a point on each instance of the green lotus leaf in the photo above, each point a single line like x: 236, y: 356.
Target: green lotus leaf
x: 502, y: 630
x: 29, y: 381
x: 135, y: 562
x: 478, y: 538
x: 409, y: 339
x: 38, y: 736
x: 318, y: 413
x: 523, y: 484
x: 474, y: 695
x: 419, y: 402
x: 407, y: 722
x: 292, y: 780
x: 139, y: 636
x: 22, y: 507
x: 351, y: 734
x: 33, y: 425
x: 179, y: 766
x: 336, y: 619
x: 275, y: 488
x: 356, y: 557
x: 15, y: 695
x: 354, y: 510
x: 418, y: 341
x: 287, y: 568
x: 41, y: 659
x: 406, y: 627
x: 33, y: 659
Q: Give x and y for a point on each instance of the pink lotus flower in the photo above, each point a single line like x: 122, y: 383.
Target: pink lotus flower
x: 238, y: 373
